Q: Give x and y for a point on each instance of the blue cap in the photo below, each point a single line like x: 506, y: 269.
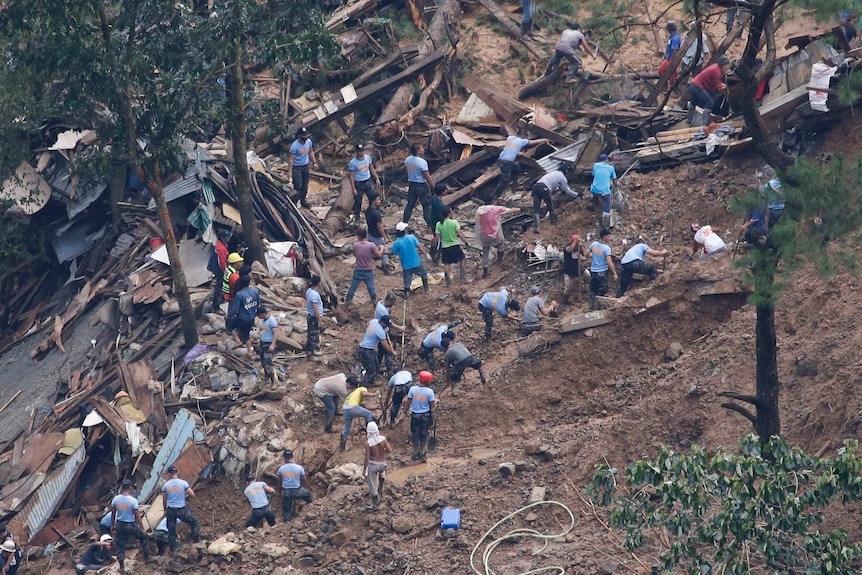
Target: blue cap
x: 603, y: 157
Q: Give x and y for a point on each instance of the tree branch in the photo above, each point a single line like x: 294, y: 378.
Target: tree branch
x: 741, y: 410
x: 739, y: 397
x: 766, y: 67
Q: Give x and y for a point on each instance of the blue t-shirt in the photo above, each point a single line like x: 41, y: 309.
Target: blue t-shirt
x: 599, y: 252
x: 380, y: 310
x: 513, y: 147
x: 106, y: 520
x: 163, y: 524
x: 496, y: 301
x: 256, y: 494
x: 361, y: 168
x: 636, y: 252
x: 176, y: 491
x: 673, y: 44
x: 435, y: 338
x: 266, y: 327
x: 300, y: 152
x: 400, y: 378
x: 406, y: 248
x: 125, y: 506
x: 421, y: 398
x: 415, y: 166
x: 312, y: 296
x: 374, y: 334
x: 603, y: 173
x: 291, y: 475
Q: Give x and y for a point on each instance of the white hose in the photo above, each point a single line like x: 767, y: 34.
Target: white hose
x: 517, y: 533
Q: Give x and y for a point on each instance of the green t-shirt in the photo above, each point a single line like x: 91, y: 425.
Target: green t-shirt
x: 448, y: 230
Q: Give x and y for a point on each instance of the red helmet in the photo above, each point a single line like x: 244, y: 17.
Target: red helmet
x: 425, y: 376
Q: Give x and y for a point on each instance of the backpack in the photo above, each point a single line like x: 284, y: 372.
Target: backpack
x: 213, y: 265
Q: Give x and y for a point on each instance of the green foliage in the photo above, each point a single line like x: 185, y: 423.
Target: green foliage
x: 22, y: 242
x: 758, y: 509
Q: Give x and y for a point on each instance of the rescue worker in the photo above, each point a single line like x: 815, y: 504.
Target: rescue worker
x: 633, y: 263
x: 268, y: 337
x: 162, y: 536
x: 543, y: 191
x: 396, y: 390
x: 10, y: 557
x: 705, y: 88
x: 498, y: 302
x: 422, y: 402
x: 374, y: 464
x: 572, y: 265
x: 380, y: 310
x: 377, y: 232
x: 571, y: 40
x: 242, y: 311
x: 291, y: 475
x: 508, y: 161
x: 419, y: 184
x: 489, y: 230
x: 231, y: 276
x: 600, y: 264
x: 409, y: 251
x: 105, y: 524
x: 457, y: 359
x: 360, y: 170
x: 533, y: 310
x: 257, y: 493
x: 375, y: 339
x: 301, y: 154
x: 127, y: 523
x: 440, y: 339
x: 175, y: 491
x: 218, y: 264
x: 674, y: 42
x: 315, y: 312
x: 353, y: 408
x: 96, y: 556
x: 446, y: 234
x: 330, y: 390
x: 604, y: 176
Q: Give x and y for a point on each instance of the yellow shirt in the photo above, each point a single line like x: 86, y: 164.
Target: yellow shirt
x: 355, y: 397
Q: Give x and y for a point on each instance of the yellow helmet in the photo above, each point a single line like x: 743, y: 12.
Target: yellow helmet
x: 234, y: 258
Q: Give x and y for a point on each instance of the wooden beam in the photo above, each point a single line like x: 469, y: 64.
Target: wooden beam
x: 450, y: 170
x: 582, y: 321
x: 503, y: 17
x: 671, y: 69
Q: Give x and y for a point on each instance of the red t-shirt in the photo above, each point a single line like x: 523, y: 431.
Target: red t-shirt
x: 710, y: 78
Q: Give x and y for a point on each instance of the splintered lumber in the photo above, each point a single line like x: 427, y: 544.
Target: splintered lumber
x: 349, y: 11
x: 582, y: 321
x: 450, y: 170
x: 508, y: 109
x: 671, y: 69
x: 542, y: 83
x: 503, y: 18
x: 400, y: 57
x: 489, y: 176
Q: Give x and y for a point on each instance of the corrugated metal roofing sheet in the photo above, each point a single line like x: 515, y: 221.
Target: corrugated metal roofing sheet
x: 570, y: 154
x: 182, y: 187
x: 43, y: 504
x: 181, y: 431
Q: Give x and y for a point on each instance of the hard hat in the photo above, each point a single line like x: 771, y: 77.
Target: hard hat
x: 425, y: 376
x: 105, y: 537
x: 234, y: 258
x: 8, y: 546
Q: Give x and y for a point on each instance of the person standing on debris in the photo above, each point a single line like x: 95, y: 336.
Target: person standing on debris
x: 448, y: 232
x: 231, y: 276
x: 360, y: 170
x: 707, y: 242
x: 508, y: 161
x: 457, y: 359
x: 543, y: 189
x: 691, y: 53
x: 604, y: 176
x: 314, y: 310
x: 533, y: 310
x: 674, y: 42
x: 353, y: 408
x: 499, y: 302
x: 376, y: 232
x: 419, y: 184
x: 399, y: 385
x: 633, y: 263
x: 242, y: 311
x: 600, y: 264
x: 527, y: 18
x: 705, y: 88
x: 489, y: 230
x: 301, y: 154
x: 268, y: 337
x: 257, y: 493
x: 127, y: 523
x: 440, y: 338
x: 175, y: 492
x: 330, y: 390
x: 422, y: 403
x: 409, y: 251
x: 374, y: 339
x: 572, y: 265
x: 571, y: 40
x: 95, y: 557
x: 437, y: 207
x: 217, y: 264
x: 291, y: 475
x: 365, y: 253
x: 381, y: 310
x: 374, y: 464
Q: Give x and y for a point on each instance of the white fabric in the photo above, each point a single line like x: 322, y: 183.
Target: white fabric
x: 820, y: 76
x: 374, y: 437
x: 280, y: 259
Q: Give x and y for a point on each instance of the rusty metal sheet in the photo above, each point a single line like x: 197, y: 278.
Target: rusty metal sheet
x: 43, y: 504
x: 15, y: 494
x: 39, y: 451
x: 192, y: 461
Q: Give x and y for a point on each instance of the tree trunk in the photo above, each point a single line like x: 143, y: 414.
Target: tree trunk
x: 237, y: 127
x: 768, y: 422
x: 339, y: 211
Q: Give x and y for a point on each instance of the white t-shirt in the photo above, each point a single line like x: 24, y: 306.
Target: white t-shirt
x: 710, y: 240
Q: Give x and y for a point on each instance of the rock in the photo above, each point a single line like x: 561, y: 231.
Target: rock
x: 806, y: 367
x: 507, y: 469
x: 216, y: 321
x: 538, y: 494
x: 347, y: 473
x: 274, y: 550
x: 531, y: 517
x: 520, y: 466
x: 224, y: 545
x: 532, y: 447
x: 223, y: 380
x: 171, y: 567
x: 607, y: 568
x: 248, y: 383
x: 251, y: 529
x: 402, y: 524
x: 674, y: 351
x: 339, y: 538
x: 306, y: 561
x: 437, y: 499
x: 302, y: 539
x: 285, y: 342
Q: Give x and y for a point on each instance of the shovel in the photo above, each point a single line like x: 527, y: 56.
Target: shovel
x: 432, y: 441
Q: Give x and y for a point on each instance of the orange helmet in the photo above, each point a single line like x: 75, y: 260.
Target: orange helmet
x: 425, y: 376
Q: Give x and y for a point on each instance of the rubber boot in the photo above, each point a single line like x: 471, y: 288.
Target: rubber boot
x: 328, y: 427
x: 415, y: 451
x: 484, y: 273
x: 373, y: 506
x: 342, y: 444
x: 462, y: 275
x: 447, y: 281
x: 536, y: 223
x: 592, y: 301
x: 500, y: 254
x: 422, y: 453
x: 554, y: 218
x: 606, y: 220
x: 482, y: 377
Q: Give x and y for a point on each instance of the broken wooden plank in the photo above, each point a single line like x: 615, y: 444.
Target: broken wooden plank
x: 503, y: 18
x: 540, y: 84
x: 401, y: 57
x: 670, y: 70
x: 582, y: 321
x: 349, y: 11
x: 553, y: 136
x: 721, y: 287
x: 506, y: 107
x: 450, y: 170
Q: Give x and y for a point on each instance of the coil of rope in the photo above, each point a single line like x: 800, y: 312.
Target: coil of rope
x: 518, y: 533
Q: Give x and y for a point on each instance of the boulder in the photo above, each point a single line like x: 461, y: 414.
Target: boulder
x: 507, y: 469
x: 224, y: 545
x: 274, y: 550
x: 674, y: 351
x: 402, y: 524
